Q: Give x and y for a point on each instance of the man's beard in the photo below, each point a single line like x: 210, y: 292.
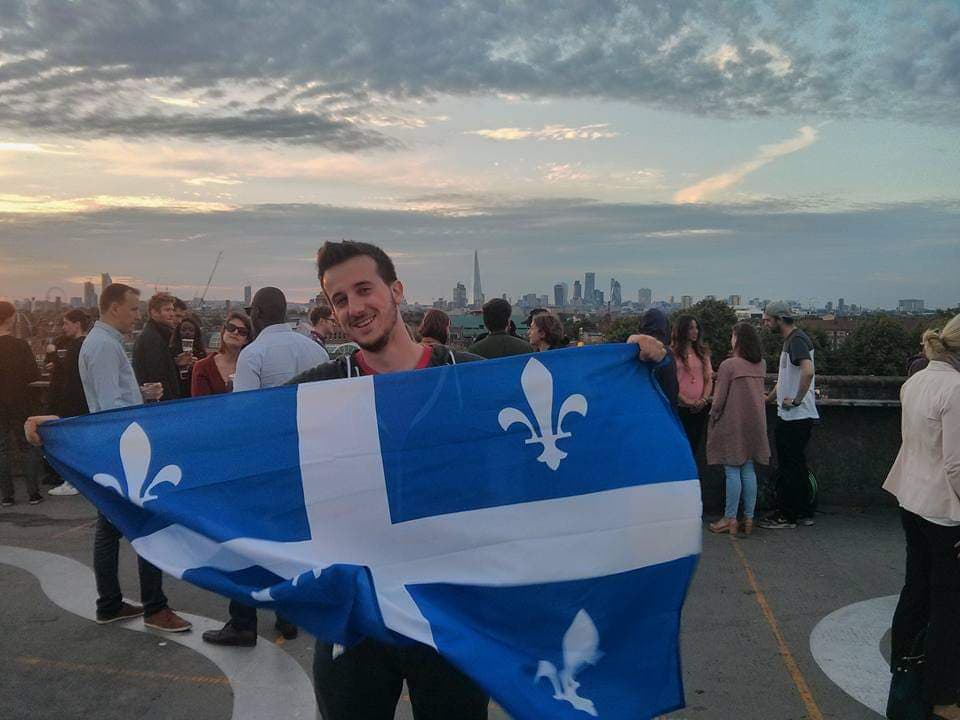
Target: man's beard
x: 380, y: 343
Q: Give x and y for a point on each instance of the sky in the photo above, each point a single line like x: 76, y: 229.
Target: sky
x: 782, y: 148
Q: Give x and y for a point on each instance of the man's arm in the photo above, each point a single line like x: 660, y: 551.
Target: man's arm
x: 950, y: 427
x: 649, y: 348
x: 806, y: 377
x: 247, y: 376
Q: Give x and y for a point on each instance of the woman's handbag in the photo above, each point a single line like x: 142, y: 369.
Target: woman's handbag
x: 905, y: 701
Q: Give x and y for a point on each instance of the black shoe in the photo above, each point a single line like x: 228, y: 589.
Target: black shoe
x: 126, y: 611
x: 286, y: 628
x: 6, y: 502
x: 35, y: 498
x: 228, y: 635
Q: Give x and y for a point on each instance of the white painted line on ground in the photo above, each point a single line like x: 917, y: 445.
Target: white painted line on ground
x: 265, y: 680
x: 846, y: 646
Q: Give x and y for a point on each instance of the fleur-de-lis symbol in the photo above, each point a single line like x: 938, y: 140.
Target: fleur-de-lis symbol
x: 580, y: 647
x: 135, y: 458
x: 537, y: 384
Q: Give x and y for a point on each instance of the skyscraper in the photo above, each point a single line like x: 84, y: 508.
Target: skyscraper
x: 105, y: 281
x: 477, y: 289
x: 686, y: 301
x: 89, y: 295
x: 734, y: 300
x: 589, y: 286
x: 615, y: 296
x: 577, y: 290
x: 645, y: 296
x: 560, y: 295
x: 460, y: 296
x: 247, y: 295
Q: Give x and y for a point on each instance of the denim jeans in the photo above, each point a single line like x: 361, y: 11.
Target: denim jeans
x: 106, y: 556
x: 29, y: 457
x: 743, y: 477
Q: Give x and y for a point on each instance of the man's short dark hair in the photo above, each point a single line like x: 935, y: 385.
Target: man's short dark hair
x: 496, y: 314
x: 160, y: 301
x: 115, y: 293
x: 179, y: 304
x: 78, y: 316
x: 320, y: 312
x: 7, y: 311
x: 533, y: 313
x: 334, y: 253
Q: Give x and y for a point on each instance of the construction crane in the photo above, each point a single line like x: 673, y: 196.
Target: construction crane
x: 210, y: 279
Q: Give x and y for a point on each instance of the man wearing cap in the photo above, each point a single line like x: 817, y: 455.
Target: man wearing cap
x: 797, y: 411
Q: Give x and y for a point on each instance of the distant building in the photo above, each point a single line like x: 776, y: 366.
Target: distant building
x: 577, y: 290
x: 247, y: 295
x: 645, y: 296
x: 89, y: 295
x: 589, y: 286
x: 910, y: 306
x: 615, y: 295
x: 105, y: 281
x: 477, y: 288
x: 686, y: 301
x: 598, y: 297
x: 841, y: 307
x: 734, y: 301
x: 560, y: 295
x: 460, y: 296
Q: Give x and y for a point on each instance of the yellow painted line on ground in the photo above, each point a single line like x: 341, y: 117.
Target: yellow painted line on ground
x: 74, y: 529
x: 813, y: 712
x: 123, y: 672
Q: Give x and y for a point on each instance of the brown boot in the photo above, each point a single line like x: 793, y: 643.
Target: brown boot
x: 747, y: 526
x: 724, y: 525
x: 167, y: 621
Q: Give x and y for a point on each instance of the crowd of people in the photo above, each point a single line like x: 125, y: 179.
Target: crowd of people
x: 259, y: 349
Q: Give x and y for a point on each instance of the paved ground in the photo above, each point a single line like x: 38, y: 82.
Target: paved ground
x: 746, y: 632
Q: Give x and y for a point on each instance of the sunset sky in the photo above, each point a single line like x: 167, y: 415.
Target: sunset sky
x: 794, y: 149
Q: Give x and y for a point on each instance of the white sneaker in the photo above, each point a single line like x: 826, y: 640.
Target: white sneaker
x: 64, y: 489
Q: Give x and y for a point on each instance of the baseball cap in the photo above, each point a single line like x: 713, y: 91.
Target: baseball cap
x: 778, y: 308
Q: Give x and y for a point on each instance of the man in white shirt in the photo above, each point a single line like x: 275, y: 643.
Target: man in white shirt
x: 279, y: 353
x: 276, y: 356
x: 795, y: 396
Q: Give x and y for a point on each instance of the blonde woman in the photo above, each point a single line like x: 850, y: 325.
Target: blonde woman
x: 926, y: 482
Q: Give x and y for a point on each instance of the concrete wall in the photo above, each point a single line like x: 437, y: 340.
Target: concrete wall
x: 850, y: 452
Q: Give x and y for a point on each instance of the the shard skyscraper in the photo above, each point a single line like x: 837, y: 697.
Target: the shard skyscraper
x: 477, y: 289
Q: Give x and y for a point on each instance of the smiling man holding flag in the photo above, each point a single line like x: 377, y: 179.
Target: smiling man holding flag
x: 531, y: 524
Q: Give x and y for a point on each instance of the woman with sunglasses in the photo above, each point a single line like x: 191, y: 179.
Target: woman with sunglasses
x: 214, y: 374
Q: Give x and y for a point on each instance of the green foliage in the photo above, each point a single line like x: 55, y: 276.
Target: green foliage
x: 716, y: 320
x: 878, y: 346
x: 622, y: 328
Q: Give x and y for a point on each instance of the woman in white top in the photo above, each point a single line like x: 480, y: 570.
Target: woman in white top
x: 926, y: 481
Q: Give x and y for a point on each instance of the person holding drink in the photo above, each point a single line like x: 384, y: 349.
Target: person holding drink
x: 213, y: 374
x: 188, y: 338
x: 152, y: 360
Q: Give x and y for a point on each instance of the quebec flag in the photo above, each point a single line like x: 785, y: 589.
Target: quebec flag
x: 536, y: 519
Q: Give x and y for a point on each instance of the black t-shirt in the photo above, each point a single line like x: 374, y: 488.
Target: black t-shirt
x: 798, y: 346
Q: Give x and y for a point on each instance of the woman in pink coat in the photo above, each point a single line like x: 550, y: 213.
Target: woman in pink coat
x: 737, y: 434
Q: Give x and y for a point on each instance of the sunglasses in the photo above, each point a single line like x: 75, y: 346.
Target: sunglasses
x: 237, y: 329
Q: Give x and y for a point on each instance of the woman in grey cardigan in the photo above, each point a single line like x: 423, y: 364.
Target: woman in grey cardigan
x: 737, y: 434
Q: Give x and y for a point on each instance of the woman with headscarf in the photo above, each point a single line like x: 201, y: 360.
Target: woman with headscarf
x: 926, y: 482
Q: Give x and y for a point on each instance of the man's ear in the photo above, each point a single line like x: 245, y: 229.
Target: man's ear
x: 397, y: 290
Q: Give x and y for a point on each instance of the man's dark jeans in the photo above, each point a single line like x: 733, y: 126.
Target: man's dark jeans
x: 106, y: 555
x: 792, y: 437
x: 931, y: 599
x: 365, y: 682
x: 29, y: 457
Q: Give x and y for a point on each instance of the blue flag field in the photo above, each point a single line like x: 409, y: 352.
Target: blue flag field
x: 536, y: 519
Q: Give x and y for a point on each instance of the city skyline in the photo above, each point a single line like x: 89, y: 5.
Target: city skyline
x: 775, y: 149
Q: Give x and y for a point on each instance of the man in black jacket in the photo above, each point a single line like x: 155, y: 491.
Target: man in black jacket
x: 153, y: 360
x: 498, y: 342
x: 66, y: 389
x: 364, y: 682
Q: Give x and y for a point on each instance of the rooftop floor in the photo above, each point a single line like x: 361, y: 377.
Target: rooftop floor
x: 746, y: 635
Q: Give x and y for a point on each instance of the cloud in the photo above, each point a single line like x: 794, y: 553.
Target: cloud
x: 768, y: 153
x: 330, y: 75
x: 549, y: 132
x: 33, y: 148
x: 39, y: 205
x: 215, y: 180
